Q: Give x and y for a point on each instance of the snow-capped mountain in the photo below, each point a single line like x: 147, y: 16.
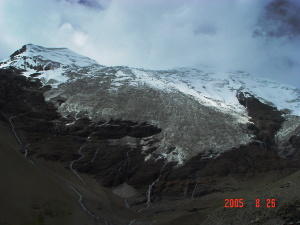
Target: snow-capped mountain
x: 198, y: 110
x: 216, y: 89
x: 53, y: 64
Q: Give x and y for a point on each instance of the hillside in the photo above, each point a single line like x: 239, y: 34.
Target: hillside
x: 85, y: 143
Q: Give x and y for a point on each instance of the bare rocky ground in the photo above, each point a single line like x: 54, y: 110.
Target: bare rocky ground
x: 78, y: 171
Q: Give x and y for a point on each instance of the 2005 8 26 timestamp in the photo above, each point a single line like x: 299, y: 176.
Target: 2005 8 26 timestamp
x: 258, y: 203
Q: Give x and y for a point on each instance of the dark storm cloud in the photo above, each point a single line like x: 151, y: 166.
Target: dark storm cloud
x: 280, y: 23
x: 281, y: 18
x: 95, y: 4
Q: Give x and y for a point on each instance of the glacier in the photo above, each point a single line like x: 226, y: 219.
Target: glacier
x: 197, y: 109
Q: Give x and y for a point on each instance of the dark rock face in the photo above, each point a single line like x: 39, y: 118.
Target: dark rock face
x: 267, y: 119
x: 246, y: 161
x: 21, y: 95
x: 113, y: 163
x: 21, y: 50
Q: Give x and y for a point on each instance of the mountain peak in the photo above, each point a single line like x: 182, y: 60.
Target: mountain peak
x: 41, y: 58
x: 34, y: 49
x: 50, y: 64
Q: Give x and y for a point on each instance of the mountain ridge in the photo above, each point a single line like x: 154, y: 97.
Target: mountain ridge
x: 206, y: 87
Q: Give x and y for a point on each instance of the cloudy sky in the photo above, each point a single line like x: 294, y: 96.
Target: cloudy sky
x: 259, y: 36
